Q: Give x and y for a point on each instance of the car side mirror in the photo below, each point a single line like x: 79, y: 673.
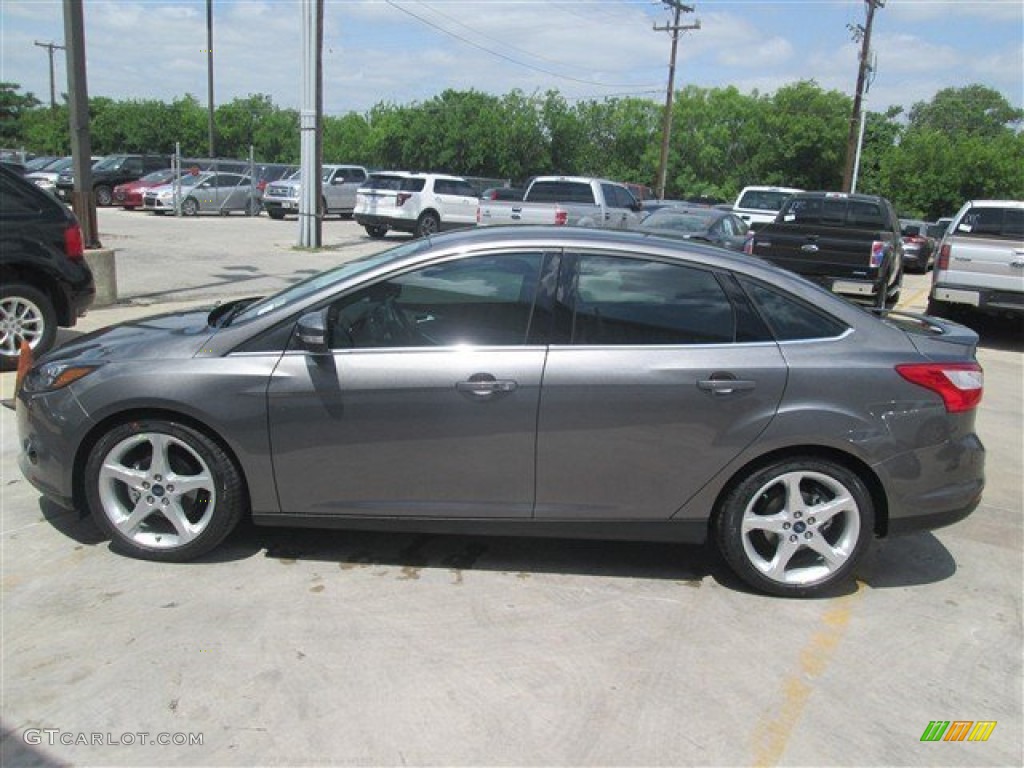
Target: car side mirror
x: 311, y: 332
x: 637, y: 206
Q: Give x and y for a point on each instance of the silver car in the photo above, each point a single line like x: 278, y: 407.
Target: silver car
x: 527, y: 381
x: 207, y: 192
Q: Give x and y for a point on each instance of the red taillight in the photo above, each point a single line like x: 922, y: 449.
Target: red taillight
x: 74, y: 248
x: 959, y: 384
x: 943, y: 262
x: 561, y: 217
x: 402, y: 197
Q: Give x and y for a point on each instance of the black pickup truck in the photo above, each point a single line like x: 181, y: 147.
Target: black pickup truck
x: 111, y: 171
x: 848, y: 243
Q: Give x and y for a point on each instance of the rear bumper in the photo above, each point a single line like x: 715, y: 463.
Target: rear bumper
x: 935, y: 486
x: 390, y: 222
x: 983, y: 299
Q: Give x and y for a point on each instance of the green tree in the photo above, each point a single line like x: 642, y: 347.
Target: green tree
x: 975, y: 110
x: 13, y: 105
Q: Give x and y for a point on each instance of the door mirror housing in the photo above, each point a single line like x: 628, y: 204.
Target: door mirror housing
x: 311, y: 332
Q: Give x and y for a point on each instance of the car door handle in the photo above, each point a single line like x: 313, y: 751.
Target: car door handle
x: 725, y: 384
x: 484, y: 385
x: 809, y: 248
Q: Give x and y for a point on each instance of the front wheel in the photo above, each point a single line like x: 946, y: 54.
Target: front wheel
x: 104, y: 195
x: 376, y: 232
x: 795, y: 528
x: 190, y: 207
x: 275, y: 213
x: 162, y: 490
x: 26, y: 314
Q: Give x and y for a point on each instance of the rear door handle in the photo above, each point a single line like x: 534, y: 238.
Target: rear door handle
x: 725, y: 384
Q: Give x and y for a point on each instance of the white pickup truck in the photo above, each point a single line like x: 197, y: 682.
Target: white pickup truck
x: 980, y: 266
x: 566, y: 201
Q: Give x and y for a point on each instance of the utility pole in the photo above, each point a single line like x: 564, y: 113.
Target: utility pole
x: 50, y: 48
x: 310, y: 117
x: 863, y: 34
x: 209, y: 73
x: 675, y: 28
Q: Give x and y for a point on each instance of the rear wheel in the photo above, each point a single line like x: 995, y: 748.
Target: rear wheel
x: 26, y: 314
x: 796, y: 527
x: 428, y: 224
x: 162, y: 490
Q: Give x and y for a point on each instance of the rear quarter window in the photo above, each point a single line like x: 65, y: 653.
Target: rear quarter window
x: 789, y: 318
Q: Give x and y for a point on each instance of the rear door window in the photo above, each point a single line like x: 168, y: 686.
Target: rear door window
x: 611, y: 300
x: 1005, y: 223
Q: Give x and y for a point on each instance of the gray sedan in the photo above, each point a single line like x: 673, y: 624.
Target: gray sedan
x: 556, y: 382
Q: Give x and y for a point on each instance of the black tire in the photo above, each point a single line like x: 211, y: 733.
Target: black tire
x: 131, y: 473
x: 428, y: 224
x: 190, y: 207
x: 25, y: 313
x: 376, y: 231
x: 775, y: 543
x: 104, y: 195
x: 942, y: 309
x: 274, y: 213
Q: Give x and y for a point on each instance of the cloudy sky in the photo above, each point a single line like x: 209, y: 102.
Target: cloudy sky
x: 402, y: 51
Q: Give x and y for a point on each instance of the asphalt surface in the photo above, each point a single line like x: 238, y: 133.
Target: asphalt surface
x: 292, y: 647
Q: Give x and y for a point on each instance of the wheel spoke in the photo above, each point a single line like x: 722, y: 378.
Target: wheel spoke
x: 833, y: 557
x: 185, y: 484
x: 176, y: 515
x: 825, y: 511
x: 133, y: 478
x: 770, y: 523
x: 159, y: 465
x: 794, y: 497
x: 129, y: 526
x: 776, y: 568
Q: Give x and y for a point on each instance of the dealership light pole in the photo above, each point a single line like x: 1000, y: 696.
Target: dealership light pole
x: 209, y: 74
x: 309, y: 123
x: 82, y: 200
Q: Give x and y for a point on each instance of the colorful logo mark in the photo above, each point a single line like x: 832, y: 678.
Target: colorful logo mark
x: 958, y: 730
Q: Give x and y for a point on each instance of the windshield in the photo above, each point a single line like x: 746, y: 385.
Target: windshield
x: 109, y: 164
x: 163, y: 175
x: 678, y: 222
x: 190, y: 180
x: 764, y: 200
x: 308, y: 287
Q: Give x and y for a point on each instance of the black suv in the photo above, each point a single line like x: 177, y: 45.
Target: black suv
x: 111, y: 171
x: 44, y: 280
x: 849, y: 243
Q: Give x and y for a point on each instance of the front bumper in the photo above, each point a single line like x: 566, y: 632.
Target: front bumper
x: 50, y: 426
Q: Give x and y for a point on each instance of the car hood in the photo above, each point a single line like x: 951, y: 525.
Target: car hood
x: 174, y: 335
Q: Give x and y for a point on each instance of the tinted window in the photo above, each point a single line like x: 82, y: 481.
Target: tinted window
x: 993, y: 222
x: 615, y: 300
x: 15, y: 203
x: 483, y: 300
x: 561, y: 192
x: 789, y: 318
x: 763, y: 200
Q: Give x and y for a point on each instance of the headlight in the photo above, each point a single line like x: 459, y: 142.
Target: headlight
x: 53, y: 376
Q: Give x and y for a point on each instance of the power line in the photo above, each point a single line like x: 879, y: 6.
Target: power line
x: 509, y: 59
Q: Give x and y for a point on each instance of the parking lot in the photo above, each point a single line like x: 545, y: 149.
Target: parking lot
x: 296, y: 647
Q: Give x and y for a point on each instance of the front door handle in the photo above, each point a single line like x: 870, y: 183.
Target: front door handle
x: 484, y: 385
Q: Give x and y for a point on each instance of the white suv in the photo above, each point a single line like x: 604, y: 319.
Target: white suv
x: 421, y: 203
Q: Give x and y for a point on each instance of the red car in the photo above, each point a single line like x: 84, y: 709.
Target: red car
x: 129, y: 195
